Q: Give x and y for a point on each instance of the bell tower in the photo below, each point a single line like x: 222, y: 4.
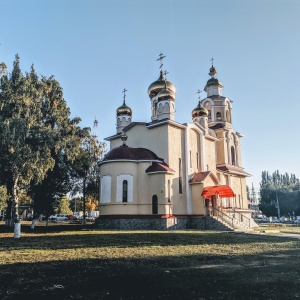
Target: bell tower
x: 218, y: 106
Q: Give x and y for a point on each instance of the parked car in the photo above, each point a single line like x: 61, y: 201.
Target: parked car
x: 261, y: 220
x: 59, y: 217
x: 87, y: 218
x: 72, y: 217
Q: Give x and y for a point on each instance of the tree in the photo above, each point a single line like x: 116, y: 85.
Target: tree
x: 86, y: 166
x: 24, y: 139
x: 3, y: 68
x: 62, y: 206
x: 279, y: 194
x: 3, y: 198
x: 91, y: 204
x: 65, y: 148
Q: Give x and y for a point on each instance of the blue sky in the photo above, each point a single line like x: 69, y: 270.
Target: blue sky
x: 96, y: 48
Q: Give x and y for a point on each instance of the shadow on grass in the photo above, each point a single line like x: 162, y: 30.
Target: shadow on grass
x: 182, y: 277
x: 118, y: 239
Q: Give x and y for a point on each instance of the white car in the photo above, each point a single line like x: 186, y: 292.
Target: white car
x: 59, y: 217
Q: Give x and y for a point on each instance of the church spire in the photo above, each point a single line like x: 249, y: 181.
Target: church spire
x: 124, y: 114
x: 213, y: 86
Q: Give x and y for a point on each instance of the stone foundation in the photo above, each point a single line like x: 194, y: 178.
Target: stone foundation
x: 160, y: 223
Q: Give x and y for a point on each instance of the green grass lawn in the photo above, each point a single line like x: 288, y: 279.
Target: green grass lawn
x: 76, y: 262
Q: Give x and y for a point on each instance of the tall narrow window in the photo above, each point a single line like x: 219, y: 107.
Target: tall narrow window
x: 197, y: 158
x: 232, y: 156
x: 209, y: 115
x: 180, y: 179
x: 154, y: 205
x: 169, y: 191
x: 218, y: 115
x: 125, y: 191
x: 190, y: 158
x: 155, y: 108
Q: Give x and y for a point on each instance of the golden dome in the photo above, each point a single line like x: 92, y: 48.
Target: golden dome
x: 166, y: 94
x: 199, y: 111
x: 158, y: 85
x: 124, y: 110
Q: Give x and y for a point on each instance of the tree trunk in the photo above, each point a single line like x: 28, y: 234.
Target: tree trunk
x: 13, y: 202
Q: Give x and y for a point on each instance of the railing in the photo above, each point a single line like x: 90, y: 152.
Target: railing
x: 232, y: 220
x: 242, y: 218
x: 219, y: 214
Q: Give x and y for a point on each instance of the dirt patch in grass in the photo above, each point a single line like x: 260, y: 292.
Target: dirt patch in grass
x: 72, y: 263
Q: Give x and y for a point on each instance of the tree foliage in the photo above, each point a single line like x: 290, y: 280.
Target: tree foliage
x: 24, y: 139
x: 38, y: 140
x: 62, y: 205
x: 285, y: 187
x: 87, y: 170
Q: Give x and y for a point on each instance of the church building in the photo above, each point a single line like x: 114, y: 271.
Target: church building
x: 161, y: 174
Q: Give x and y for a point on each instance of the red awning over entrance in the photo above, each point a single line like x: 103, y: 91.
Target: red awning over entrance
x: 224, y: 191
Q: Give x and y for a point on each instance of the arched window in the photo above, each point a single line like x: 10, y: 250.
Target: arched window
x: 232, y: 155
x: 209, y: 115
x: 218, y: 116
x: 154, y: 205
x: 155, y: 109
x: 125, y: 191
x: 180, y: 179
x: 169, y: 191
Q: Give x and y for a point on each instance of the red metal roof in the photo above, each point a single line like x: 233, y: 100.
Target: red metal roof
x: 127, y: 153
x: 233, y: 170
x: 159, y: 167
x: 224, y: 191
x: 199, y: 177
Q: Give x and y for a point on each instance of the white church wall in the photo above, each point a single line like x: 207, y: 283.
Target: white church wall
x: 153, y: 139
x: 177, y: 151
x: 210, y: 152
x: 105, y: 195
x: 238, y: 185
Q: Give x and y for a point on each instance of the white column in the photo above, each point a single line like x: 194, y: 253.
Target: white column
x: 202, y: 154
x: 187, y: 168
x: 236, y: 144
x: 228, y: 150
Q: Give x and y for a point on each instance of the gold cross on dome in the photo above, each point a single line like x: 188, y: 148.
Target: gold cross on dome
x: 124, y: 91
x: 165, y: 74
x: 212, y: 61
x: 161, y: 57
x: 199, y: 96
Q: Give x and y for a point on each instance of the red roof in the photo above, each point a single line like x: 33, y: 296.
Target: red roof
x: 224, y: 191
x: 199, y: 177
x: 233, y: 170
x: 127, y: 153
x: 159, y: 167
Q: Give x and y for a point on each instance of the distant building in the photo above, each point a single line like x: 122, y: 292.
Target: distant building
x: 163, y: 174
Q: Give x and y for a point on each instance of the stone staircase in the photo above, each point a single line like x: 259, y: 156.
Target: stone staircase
x: 235, y: 224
